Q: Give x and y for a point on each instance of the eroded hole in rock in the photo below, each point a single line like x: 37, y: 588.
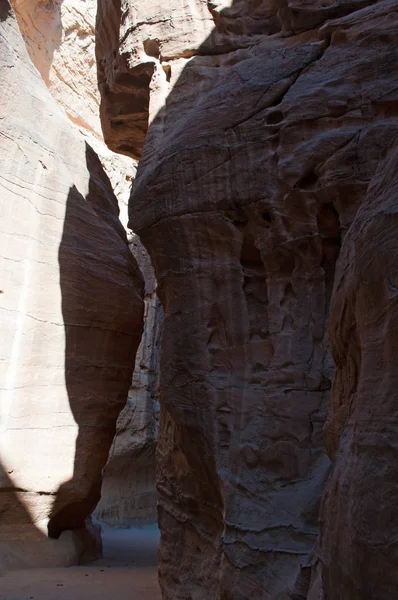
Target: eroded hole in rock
x: 255, y: 289
x: 308, y: 181
x: 239, y: 224
x: 238, y: 218
x: 274, y: 117
x: 328, y: 220
x: 151, y: 48
x: 288, y: 294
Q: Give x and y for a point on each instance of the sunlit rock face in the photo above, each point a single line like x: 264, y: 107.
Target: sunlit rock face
x: 71, y: 308
x: 60, y: 39
x: 128, y: 494
x: 59, y: 35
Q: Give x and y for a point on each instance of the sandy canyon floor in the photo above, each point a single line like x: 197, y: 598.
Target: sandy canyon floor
x: 127, y: 571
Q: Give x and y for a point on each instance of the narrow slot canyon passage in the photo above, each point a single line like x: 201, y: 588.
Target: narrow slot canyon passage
x: 198, y: 292
x: 127, y: 571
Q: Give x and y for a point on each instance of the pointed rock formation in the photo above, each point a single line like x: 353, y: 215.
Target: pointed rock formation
x: 60, y: 40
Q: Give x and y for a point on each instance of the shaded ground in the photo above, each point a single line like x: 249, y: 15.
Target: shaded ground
x: 128, y: 571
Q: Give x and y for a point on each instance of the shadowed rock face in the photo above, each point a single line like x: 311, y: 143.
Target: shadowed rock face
x: 128, y: 493
x: 71, y: 307
x: 5, y: 10
x: 359, y: 536
x: 261, y: 144
x: 124, y: 86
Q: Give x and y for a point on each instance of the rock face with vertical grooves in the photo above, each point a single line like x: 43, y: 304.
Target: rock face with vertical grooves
x: 71, y: 307
x: 261, y: 141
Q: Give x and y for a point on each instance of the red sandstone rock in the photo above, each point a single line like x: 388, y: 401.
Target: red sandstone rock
x: 71, y: 306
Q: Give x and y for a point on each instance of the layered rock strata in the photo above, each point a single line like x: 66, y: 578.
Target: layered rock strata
x: 71, y: 306
x: 60, y: 39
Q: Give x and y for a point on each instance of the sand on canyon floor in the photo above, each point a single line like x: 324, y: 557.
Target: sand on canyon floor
x: 127, y: 571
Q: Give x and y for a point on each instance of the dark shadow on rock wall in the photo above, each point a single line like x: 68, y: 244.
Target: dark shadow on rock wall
x: 12, y: 510
x: 5, y: 10
x: 288, y: 207
x: 101, y: 336
x: 249, y: 175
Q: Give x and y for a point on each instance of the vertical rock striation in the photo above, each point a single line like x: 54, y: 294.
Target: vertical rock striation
x: 71, y: 307
x: 265, y: 124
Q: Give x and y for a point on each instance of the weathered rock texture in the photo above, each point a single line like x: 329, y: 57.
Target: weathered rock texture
x: 359, y: 535
x: 128, y: 495
x: 71, y: 307
x: 252, y: 170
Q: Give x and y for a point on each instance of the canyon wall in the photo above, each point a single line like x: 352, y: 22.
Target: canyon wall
x: 359, y: 537
x: 60, y: 39
x: 71, y: 308
x: 128, y: 495
x: 264, y: 124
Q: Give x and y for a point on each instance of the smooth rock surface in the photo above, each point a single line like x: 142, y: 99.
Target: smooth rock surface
x: 60, y: 39
x: 263, y: 138
x: 71, y: 309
